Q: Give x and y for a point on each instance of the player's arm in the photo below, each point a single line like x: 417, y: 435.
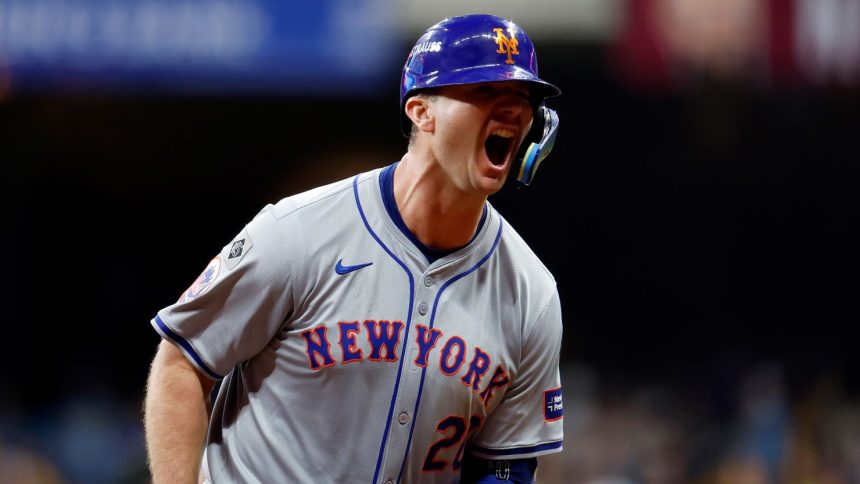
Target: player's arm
x: 176, y: 416
x: 251, y: 277
x: 528, y: 422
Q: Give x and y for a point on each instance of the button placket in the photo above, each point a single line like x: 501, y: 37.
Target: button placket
x: 426, y: 294
x: 410, y: 378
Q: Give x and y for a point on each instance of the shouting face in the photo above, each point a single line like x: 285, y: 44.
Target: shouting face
x: 475, y: 131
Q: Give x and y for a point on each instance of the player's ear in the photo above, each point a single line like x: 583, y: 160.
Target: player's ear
x: 418, y: 109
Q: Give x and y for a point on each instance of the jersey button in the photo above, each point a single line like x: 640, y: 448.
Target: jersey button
x: 403, y: 418
x: 422, y: 308
x: 389, y: 482
x: 428, y: 281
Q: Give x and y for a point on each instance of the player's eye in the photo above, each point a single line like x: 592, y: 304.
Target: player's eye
x: 484, y: 89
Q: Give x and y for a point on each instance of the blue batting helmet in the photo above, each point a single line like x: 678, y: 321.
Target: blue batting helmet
x: 468, y: 50
x: 483, y: 48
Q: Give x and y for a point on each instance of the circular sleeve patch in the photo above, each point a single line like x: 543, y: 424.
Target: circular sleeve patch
x: 204, y: 281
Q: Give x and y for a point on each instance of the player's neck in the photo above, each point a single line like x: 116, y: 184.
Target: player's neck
x: 440, y: 216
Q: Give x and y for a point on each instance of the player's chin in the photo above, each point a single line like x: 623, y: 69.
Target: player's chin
x: 490, y: 183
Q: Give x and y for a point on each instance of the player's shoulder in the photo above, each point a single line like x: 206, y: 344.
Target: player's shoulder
x: 325, y: 196
x: 527, y: 281
x: 520, y: 256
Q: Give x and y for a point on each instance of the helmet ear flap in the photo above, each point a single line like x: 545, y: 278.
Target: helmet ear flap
x: 537, y: 144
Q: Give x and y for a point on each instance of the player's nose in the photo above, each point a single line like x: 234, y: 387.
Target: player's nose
x: 512, y: 102
x: 511, y: 107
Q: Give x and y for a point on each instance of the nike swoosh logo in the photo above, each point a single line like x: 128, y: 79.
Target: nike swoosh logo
x: 342, y: 269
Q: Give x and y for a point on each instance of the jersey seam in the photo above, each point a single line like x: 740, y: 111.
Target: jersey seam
x: 528, y: 330
x: 533, y: 323
x: 515, y: 237
x: 347, y: 187
x: 288, y: 288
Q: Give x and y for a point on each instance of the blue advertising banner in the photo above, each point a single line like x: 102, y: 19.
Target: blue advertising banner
x: 209, y: 45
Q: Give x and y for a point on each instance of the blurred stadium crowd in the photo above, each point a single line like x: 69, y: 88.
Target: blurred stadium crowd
x: 643, y: 433
x: 707, y: 179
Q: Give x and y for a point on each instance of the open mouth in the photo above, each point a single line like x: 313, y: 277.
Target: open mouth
x: 498, y: 146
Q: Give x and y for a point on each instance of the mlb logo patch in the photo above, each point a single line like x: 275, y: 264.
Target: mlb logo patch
x: 235, y: 251
x: 553, y: 409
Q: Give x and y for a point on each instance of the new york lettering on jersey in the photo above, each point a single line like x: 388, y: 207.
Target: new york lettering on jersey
x: 382, y: 339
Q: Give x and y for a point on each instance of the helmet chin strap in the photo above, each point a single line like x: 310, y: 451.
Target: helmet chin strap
x: 538, y: 144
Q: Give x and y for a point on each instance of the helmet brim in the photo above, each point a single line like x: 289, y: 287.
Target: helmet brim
x: 540, y: 89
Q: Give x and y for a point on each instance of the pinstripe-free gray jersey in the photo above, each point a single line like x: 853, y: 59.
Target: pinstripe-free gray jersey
x: 347, y: 358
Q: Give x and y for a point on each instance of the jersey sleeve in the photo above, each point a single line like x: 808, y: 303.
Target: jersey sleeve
x: 235, y: 307
x: 528, y: 421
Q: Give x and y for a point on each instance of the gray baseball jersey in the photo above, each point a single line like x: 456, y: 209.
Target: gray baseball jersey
x: 348, y: 358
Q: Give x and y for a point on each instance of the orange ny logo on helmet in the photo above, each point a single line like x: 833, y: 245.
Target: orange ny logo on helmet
x: 506, y: 45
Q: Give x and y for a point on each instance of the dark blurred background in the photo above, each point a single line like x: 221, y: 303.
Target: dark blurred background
x: 701, y: 212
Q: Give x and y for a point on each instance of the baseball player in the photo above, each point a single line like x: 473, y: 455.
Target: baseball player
x: 390, y: 327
